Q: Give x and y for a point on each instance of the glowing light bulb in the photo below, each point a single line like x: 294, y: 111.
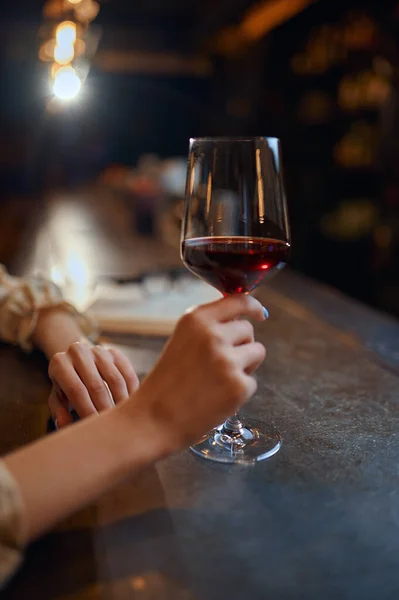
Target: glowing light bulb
x: 63, y: 55
x: 65, y: 33
x: 67, y: 84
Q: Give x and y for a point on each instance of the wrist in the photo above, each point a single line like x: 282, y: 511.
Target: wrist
x: 56, y: 331
x: 152, y: 440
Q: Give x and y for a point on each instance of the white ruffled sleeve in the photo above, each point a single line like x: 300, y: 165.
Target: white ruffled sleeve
x: 21, y: 301
x: 11, y: 548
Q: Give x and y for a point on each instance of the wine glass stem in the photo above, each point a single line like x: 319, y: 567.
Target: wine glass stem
x: 233, y: 424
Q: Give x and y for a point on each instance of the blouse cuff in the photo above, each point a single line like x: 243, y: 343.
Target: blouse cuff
x: 21, y: 301
x: 11, y: 547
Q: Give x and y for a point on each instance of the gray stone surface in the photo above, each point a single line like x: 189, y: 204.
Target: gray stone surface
x: 318, y: 520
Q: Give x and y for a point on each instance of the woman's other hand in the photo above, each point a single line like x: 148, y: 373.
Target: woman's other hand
x: 88, y: 380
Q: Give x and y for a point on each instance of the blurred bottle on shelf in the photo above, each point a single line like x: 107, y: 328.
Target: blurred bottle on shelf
x: 329, y: 45
x: 364, y: 90
x: 356, y: 150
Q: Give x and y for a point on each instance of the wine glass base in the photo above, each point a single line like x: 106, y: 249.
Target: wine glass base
x: 254, y: 442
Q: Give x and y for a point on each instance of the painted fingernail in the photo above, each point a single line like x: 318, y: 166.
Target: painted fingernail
x: 266, y: 313
x: 55, y: 424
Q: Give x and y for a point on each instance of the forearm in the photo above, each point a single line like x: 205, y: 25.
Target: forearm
x: 56, y: 331
x: 68, y: 470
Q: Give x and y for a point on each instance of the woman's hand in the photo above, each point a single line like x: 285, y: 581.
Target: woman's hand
x: 88, y: 380
x: 204, y: 373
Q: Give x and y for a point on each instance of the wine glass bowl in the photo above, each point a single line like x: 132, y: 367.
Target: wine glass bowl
x: 235, y: 264
x: 235, y: 236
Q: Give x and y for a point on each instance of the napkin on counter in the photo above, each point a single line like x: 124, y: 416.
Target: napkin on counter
x: 148, y: 308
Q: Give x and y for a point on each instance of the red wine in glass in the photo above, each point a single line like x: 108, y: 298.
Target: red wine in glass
x: 235, y: 264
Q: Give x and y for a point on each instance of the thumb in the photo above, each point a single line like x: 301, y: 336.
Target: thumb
x: 58, y: 405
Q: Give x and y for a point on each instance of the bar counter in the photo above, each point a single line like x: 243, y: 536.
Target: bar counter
x: 320, y: 520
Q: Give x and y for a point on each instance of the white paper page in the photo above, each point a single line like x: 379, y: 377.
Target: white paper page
x: 136, y: 310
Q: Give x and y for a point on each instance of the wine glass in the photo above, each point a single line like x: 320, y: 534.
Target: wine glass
x: 235, y: 236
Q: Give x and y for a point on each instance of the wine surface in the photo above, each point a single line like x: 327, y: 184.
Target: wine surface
x: 234, y: 264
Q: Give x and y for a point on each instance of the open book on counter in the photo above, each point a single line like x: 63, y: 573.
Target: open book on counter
x: 149, y: 308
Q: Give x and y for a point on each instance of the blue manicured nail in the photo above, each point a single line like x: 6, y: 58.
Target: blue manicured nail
x: 266, y: 313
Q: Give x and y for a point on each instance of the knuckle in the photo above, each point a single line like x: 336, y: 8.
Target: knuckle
x: 114, y: 352
x: 251, y: 305
x: 75, y: 390
x: 222, y: 361
x: 214, y: 335
x: 211, y: 343
x: 190, y: 319
x: 96, y: 386
x: 98, y: 350
x: 75, y: 349
x: 193, y: 322
x: 57, y: 361
x: 115, y: 378
x: 56, y: 366
x: 246, y: 300
x: 249, y: 329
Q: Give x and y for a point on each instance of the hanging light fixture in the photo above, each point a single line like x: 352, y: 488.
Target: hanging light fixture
x: 66, y: 46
